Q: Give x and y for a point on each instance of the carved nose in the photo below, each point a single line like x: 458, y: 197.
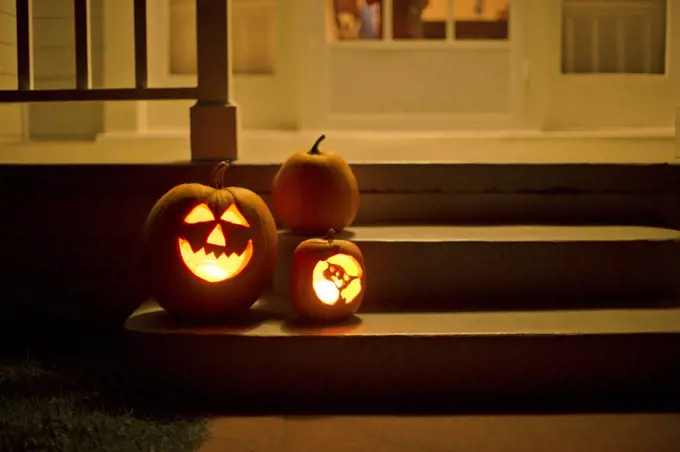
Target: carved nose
x: 216, y: 237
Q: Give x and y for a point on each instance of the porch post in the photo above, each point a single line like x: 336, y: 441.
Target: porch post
x: 213, y: 118
x: 677, y: 132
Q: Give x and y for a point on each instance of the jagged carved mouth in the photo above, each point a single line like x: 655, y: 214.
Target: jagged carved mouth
x: 214, y: 265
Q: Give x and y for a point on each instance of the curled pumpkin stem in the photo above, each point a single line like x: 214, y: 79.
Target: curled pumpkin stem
x: 315, y: 147
x: 218, y: 173
x: 330, y: 235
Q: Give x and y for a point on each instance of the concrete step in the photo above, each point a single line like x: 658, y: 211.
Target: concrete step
x: 108, y: 203
x: 448, y: 268
x: 391, y: 192
x: 462, y: 357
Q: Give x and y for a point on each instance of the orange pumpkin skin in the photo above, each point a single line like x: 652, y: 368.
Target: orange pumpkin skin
x: 313, y: 254
x: 174, y: 285
x: 315, y: 191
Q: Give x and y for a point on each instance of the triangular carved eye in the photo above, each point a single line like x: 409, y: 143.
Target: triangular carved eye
x: 199, y: 214
x: 216, y: 237
x: 233, y: 215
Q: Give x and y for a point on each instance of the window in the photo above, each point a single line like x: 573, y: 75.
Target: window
x: 253, y: 36
x: 421, y: 19
x: 614, y: 36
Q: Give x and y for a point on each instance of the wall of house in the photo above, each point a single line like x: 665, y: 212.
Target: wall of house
x: 54, y: 68
x: 303, y: 82
x: 10, y: 114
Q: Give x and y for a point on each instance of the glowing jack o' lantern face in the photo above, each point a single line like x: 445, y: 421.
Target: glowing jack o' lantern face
x: 208, y: 251
x: 212, y: 262
x: 328, y: 279
x: 337, y: 279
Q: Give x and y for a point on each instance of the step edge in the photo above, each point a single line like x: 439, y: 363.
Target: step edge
x: 135, y: 325
x: 501, y: 233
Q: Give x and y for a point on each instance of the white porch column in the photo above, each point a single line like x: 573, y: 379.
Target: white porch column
x: 213, y: 118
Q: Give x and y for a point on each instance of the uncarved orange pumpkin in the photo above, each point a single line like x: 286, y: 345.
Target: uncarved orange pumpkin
x: 327, y: 279
x: 209, y: 251
x: 315, y: 191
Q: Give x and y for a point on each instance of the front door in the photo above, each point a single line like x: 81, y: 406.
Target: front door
x: 412, y: 64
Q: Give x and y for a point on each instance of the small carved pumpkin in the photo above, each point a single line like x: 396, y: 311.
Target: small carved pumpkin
x: 209, y: 251
x: 328, y: 279
x: 315, y: 191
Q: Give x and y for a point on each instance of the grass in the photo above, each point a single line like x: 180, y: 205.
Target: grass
x: 66, y: 407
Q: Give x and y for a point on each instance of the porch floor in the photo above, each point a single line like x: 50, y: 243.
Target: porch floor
x: 266, y: 147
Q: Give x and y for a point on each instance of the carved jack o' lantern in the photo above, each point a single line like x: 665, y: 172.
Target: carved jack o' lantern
x: 209, y: 251
x: 328, y: 279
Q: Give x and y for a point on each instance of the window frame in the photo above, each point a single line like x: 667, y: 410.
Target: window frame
x: 387, y: 41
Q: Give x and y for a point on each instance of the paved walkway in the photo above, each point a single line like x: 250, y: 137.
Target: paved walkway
x: 526, y: 433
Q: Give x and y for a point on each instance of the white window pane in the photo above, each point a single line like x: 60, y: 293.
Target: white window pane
x: 481, y: 19
x: 358, y: 19
x: 419, y: 19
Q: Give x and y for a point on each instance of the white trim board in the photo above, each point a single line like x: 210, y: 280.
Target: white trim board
x: 632, y: 133
x: 274, y: 147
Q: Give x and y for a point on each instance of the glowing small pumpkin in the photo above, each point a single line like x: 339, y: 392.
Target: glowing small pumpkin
x: 315, y: 191
x: 328, y: 279
x: 209, y: 251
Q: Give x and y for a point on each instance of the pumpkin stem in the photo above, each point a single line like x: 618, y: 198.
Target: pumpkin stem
x: 218, y: 172
x: 330, y: 235
x: 315, y: 148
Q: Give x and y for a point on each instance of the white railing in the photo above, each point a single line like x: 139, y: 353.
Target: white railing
x: 213, y: 118
x: 614, y: 36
